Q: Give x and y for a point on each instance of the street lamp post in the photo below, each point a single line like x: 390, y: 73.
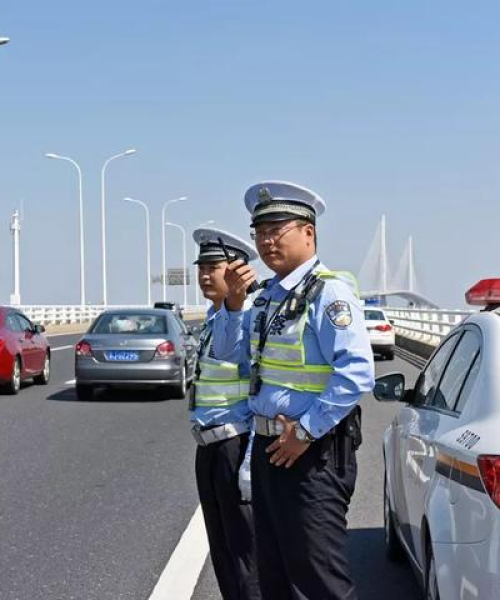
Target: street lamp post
x: 82, y: 240
x: 103, y: 220
x: 15, y: 227
x: 184, y: 258
x: 148, y: 244
x: 163, y: 249
x: 196, y: 284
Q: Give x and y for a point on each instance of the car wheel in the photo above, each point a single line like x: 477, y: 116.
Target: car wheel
x: 14, y: 384
x: 43, y: 378
x: 393, y: 547
x: 431, y: 584
x: 84, y: 392
x: 180, y: 389
x: 390, y: 355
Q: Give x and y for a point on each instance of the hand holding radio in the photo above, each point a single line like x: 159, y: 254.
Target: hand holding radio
x: 239, y: 277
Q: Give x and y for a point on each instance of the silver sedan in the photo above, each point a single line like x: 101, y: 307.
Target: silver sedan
x: 138, y: 348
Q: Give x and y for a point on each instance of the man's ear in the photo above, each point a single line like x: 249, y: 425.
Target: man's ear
x: 310, y: 231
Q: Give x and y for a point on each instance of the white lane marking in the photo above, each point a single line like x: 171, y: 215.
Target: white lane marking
x: 181, y: 574
x: 51, y: 335
x: 70, y: 382
x: 62, y: 348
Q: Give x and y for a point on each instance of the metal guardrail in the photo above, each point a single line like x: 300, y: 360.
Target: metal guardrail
x: 425, y: 325
x: 70, y: 314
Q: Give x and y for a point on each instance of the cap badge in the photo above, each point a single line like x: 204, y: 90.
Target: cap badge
x: 265, y: 195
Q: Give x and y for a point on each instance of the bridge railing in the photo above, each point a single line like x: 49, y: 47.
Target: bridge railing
x: 425, y: 325
x: 71, y: 314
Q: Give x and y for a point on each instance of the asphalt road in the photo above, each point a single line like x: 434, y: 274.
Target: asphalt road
x: 94, y: 496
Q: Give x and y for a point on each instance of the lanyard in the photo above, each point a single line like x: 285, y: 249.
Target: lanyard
x: 264, y: 331
x: 204, y: 342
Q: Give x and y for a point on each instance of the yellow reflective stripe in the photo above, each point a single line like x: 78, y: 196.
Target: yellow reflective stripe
x: 219, y: 365
x: 338, y: 275
x: 218, y: 371
x: 219, y: 403
x: 284, y: 345
x: 296, y: 386
x: 220, y: 386
x: 218, y: 394
x: 304, y: 369
x: 313, y: 379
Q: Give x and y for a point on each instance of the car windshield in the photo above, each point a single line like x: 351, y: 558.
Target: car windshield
x: 374, y: 315
x: 131, y: 323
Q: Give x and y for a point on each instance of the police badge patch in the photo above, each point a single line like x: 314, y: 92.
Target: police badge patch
x: 339, y: 313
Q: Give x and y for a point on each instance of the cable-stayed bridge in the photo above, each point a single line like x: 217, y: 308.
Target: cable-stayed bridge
x: 377, y: 280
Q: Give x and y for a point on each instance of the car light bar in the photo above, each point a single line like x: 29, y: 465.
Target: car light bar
x: 484, y: 293
x: 489, y: 467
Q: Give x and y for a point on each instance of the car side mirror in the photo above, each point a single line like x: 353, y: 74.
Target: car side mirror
x: 391, y: 321
x: 390, y: 388
x: 39, y: 329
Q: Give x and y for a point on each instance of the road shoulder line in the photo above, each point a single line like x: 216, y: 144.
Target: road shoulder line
x: 183, y: 569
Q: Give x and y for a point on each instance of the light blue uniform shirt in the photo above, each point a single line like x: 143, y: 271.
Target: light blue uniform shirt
x: 347, y: 350
x: 211, y: 416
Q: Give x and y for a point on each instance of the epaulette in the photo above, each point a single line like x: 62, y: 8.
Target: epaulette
x: 345, y: 276
x: 263, y: 284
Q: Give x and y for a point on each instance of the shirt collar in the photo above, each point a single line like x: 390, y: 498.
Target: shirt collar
x: 293, y: 278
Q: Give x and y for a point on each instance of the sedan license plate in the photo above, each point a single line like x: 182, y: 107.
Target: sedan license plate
x: 122, y: 356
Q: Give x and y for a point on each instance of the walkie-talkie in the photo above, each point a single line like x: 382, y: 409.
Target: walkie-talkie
x: 254, y: 286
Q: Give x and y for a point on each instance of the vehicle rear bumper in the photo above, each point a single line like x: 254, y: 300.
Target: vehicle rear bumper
x: 152, y: 373
x: 383, y: 346
x: 382, y: 339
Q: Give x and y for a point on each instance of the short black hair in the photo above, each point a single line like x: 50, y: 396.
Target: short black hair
x: 306, y: 222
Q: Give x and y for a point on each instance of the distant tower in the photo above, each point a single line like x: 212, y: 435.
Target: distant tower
x: 411, y: 266
x: 383, y: 257
x: 374, y: 272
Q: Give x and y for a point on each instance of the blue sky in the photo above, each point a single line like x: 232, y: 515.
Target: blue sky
x: 381, y: 107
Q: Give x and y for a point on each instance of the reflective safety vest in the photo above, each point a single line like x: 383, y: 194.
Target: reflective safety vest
x: 283, y: 359
x: 218, y: 383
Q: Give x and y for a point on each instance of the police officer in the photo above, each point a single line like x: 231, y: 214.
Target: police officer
x: 310, y: 363
x: 221, y: 427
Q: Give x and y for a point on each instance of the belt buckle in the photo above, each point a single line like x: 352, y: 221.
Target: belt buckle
x: 278, y: 427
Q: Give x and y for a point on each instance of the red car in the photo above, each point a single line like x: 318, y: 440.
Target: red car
x: 24, y: 350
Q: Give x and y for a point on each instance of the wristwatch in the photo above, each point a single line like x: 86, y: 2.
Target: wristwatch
x: 302, y: 434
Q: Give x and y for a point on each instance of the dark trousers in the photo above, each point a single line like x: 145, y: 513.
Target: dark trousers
x: 300, y: 525
x: 228, y: 521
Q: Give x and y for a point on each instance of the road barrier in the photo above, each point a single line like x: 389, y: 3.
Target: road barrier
x: 425, y: 325
x: 71, y: 314
x: 420, y: 330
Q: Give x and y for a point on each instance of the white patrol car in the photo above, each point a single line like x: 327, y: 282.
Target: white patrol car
x: 442, y: 460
